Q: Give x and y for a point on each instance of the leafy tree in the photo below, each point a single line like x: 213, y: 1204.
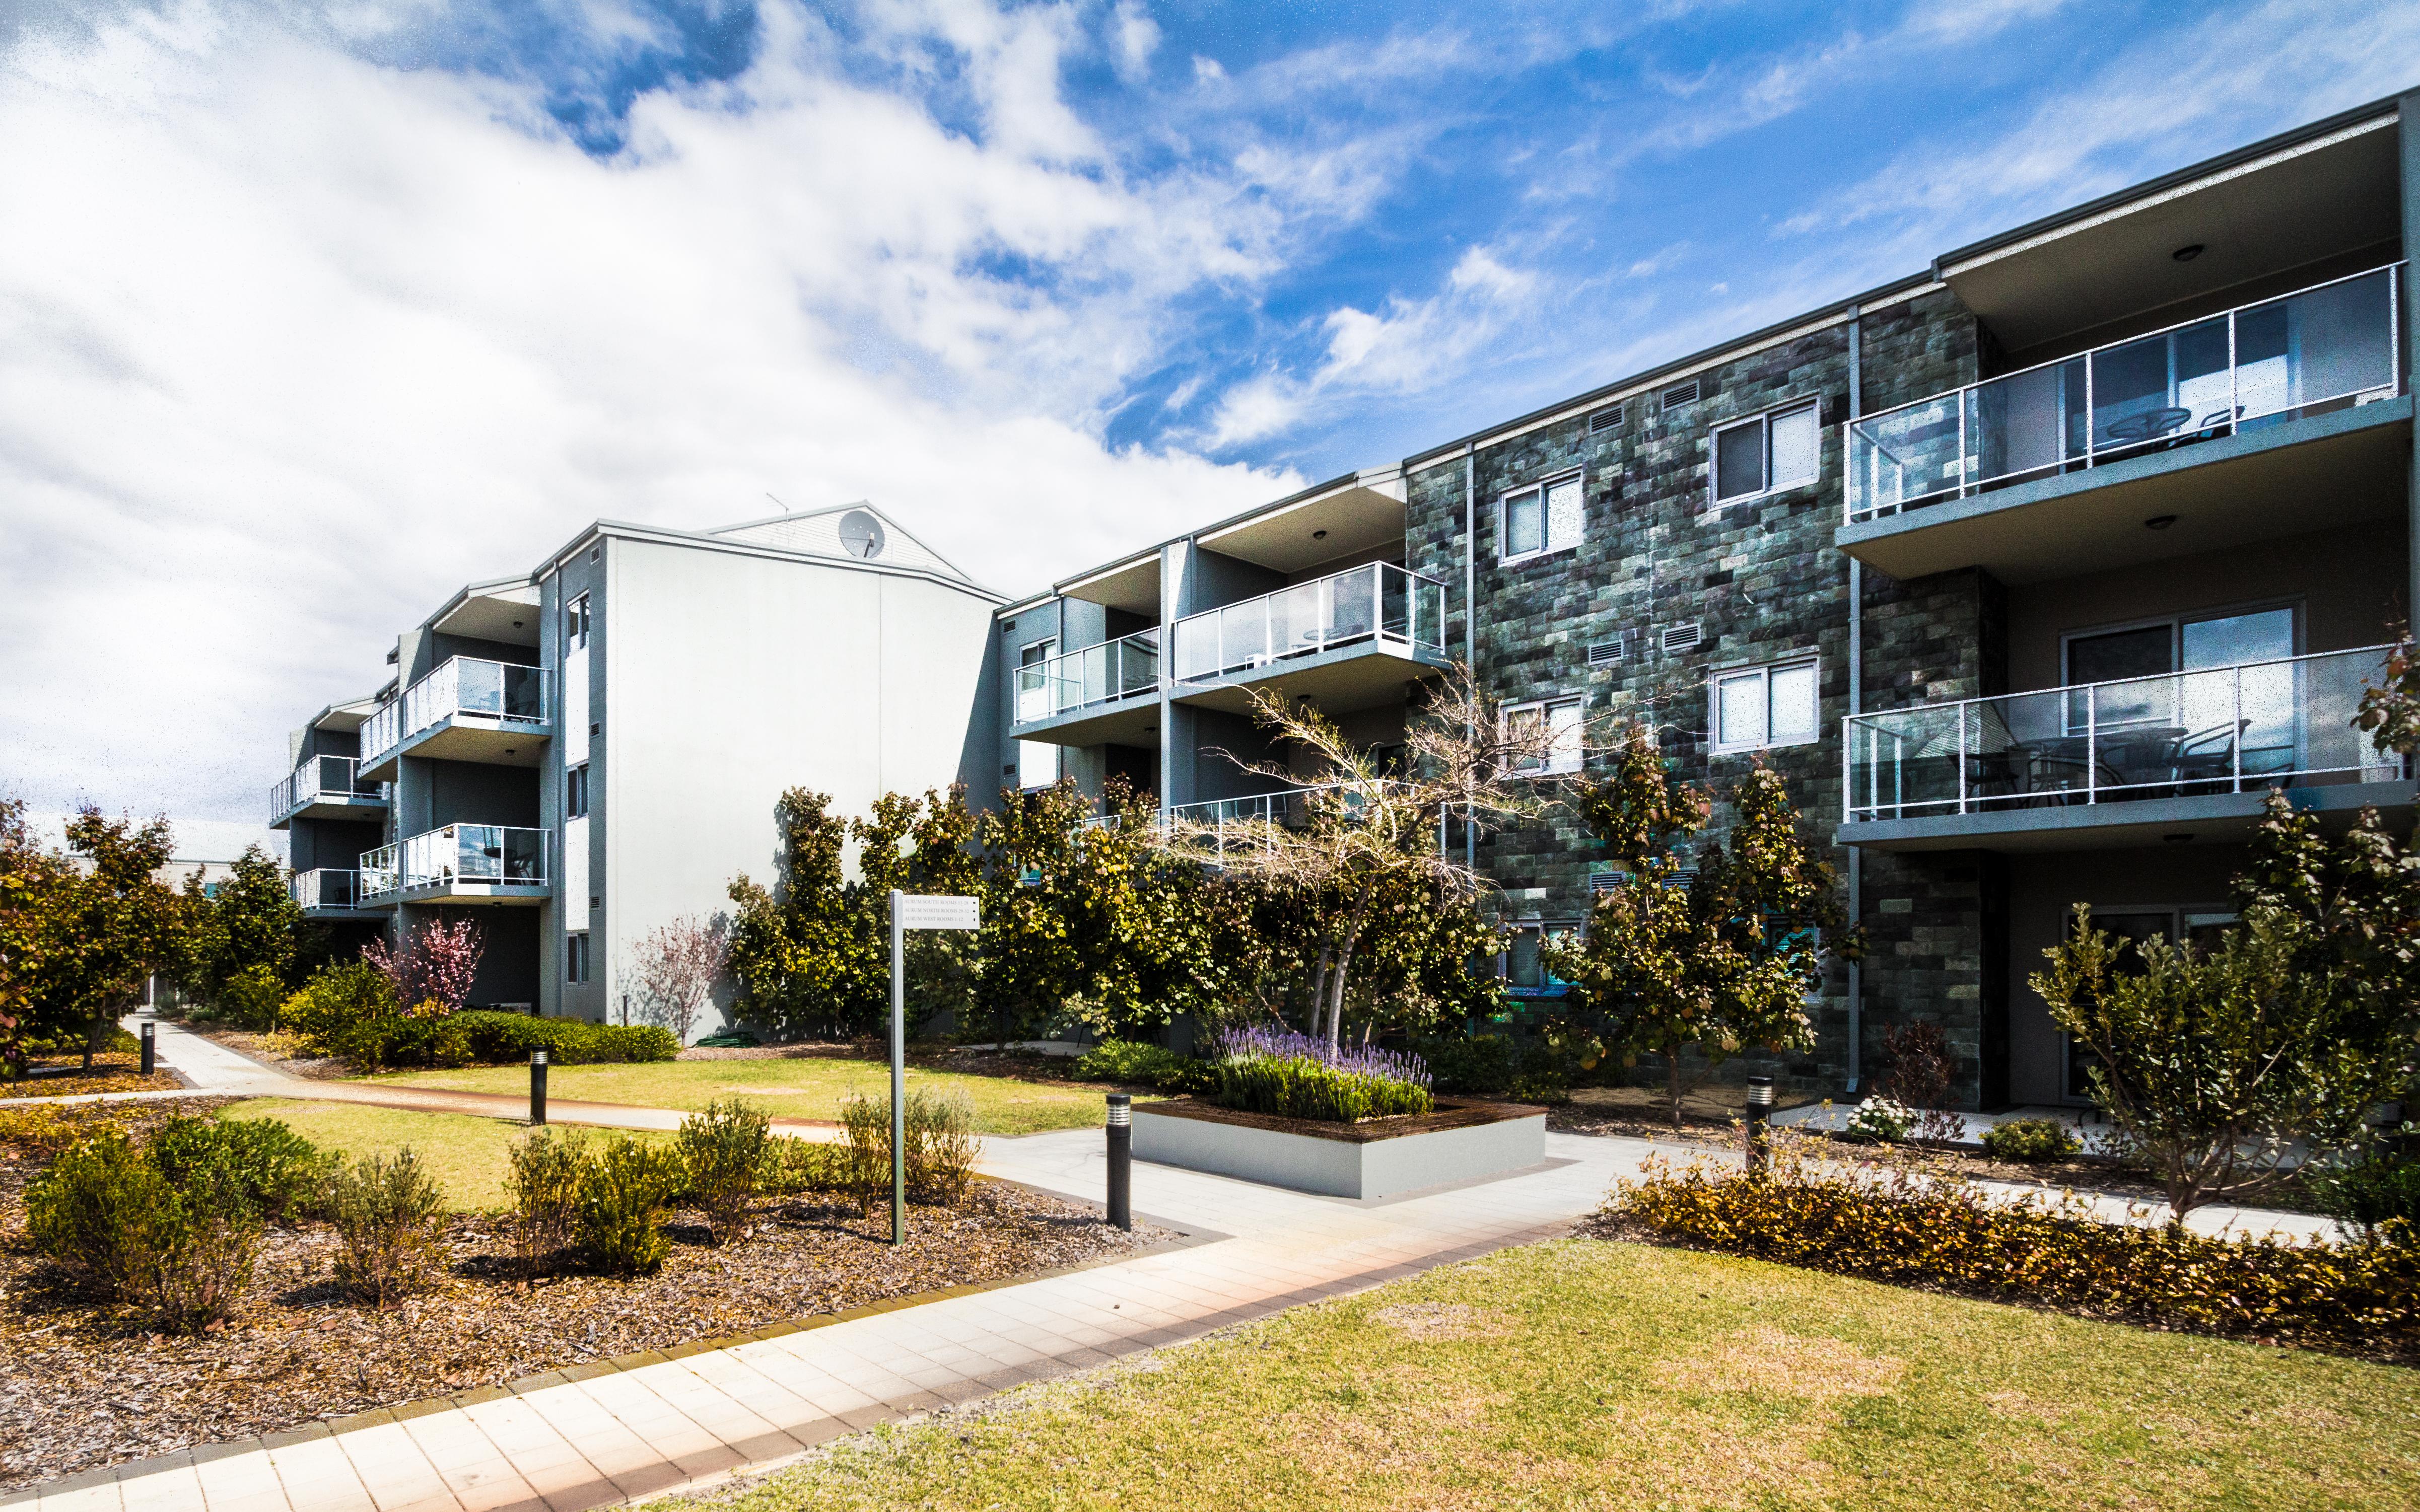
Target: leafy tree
x: 791, y: 944
x: 2218, y: 1067
x: 1713, y: 963
x: 432, y: 970
x: 243, y: 932
x: 1054, y: 895
x: 32, y: 879
x: 99, y: 924
x: 1369, y: 834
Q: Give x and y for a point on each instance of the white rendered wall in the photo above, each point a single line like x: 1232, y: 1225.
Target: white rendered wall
x: 729, y: 679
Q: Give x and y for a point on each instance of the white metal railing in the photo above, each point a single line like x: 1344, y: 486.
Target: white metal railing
x: 2180, y: 735
x: 2328, y: 347
x: 1378, y: 603
x: 325, y: 887
x: 337, y: 778
x: 1105, y: 673
x: 1219, y: 823
x: 504, y: 691
x: 482, y: 854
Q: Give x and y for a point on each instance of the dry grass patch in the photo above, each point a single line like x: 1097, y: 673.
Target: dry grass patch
x: 1442, y: 1321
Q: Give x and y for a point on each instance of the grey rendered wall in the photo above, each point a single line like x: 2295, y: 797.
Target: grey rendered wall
x: 730, y: 678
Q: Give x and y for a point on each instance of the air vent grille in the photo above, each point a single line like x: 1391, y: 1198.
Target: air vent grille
x: 1681, y: 637
x: 1609, y: 653
x: 1680, y: 393
x: 1605, y: 420
x: 1606, y: 881
x: 1008, y: 626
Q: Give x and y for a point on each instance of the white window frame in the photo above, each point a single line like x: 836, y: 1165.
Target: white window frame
x: 575, y: 791
x: 1559, y: 763
x: 1763, y: 424
x: 1717, y: 746
x: 1548, y: 545
x: 578, y: 959
x: 574, y: 624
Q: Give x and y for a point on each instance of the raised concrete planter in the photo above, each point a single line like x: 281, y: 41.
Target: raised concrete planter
x: 1459, y: 1142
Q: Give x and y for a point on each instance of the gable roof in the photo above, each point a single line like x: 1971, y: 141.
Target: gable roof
x: 816, y: 533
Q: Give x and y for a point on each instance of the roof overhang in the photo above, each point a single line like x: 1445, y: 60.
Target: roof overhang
x: 345, y: 717
x: 2256, y: 215
x: 503, y: 613
x: 1357, y: 516
x: 1131, y: 585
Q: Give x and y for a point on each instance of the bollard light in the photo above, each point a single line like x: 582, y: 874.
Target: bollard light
x: 1121, y: 1159
x: 537, y: 1088
x: 150, y: 1048
x: 1760, y: 1111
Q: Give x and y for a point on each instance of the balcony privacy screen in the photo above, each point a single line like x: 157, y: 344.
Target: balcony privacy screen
x: 2324, y: 348
x: 2183, y: 734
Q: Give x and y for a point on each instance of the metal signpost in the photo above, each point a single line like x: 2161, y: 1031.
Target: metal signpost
x: 909, y: 911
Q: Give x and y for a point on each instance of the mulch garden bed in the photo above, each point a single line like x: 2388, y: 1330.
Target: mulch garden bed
x: 113, y: 1070
x: 81, y: 1387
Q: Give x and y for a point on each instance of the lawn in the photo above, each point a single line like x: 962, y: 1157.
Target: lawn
x: 809, y: 1087
x: 1586, y: 1374
x: 466, y: 1155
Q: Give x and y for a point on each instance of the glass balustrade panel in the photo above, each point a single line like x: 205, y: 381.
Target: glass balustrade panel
x: 1352, y: 605
x: 1905, y: 456
x: 1243, y: 634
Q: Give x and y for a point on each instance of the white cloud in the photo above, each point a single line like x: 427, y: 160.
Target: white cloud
x: 303, y: 344
x: 1136, y: 38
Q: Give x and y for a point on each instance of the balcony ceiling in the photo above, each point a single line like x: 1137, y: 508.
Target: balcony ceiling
x: 1344, y: 681
x: 2300, y: 206
x: 1355, y: 519
x: 2307, y: 475
x: 1132, y: 586
x: 506, y: 615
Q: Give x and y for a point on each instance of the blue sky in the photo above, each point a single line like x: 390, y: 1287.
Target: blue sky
x: 316, y: 312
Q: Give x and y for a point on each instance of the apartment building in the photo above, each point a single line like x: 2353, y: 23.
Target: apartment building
x: 579, y: 754
x: 2031, y: 572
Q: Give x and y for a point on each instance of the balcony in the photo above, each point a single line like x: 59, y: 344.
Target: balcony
x: 2191, y: 422
x: 326, y: 787
x: 465, y: 711
x: 1219, y: 823
x: 1100, y: 694
x: 1347, y: 642
x: 329, y: 893
x: 2131, y: 761
x: 459, y: 863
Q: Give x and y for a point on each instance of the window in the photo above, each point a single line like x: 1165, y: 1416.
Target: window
x: 1564, y: 731
x: 1545, y: 518
x: 1522, y: 970
x: 575, y: 958
x: 574, y: 624
x: 2145, y: 686
x: 1780, y: 448
x: 1037, y: 763
x: 1033, y: 690
x: 575, y: 791
x: 1759, y: 707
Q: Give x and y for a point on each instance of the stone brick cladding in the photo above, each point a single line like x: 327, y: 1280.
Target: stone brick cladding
x: 1763, y: 581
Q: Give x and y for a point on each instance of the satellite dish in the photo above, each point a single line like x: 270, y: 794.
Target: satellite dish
x: 860, y: 534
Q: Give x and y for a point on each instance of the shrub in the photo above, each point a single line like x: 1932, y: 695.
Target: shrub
x: 623, y: 1193
x: 724, y: 1153
x: 1129, y: 1062
x: 185, y: 1253
x: 495, y: 1039
x: 1919, y: 1229
x: 274, y: 1170
x: 1881, y: 1121
x: 808, y: 1165
x: 1294, y: 1077
x: 2030, y: 1139
x: 94, y: 1212
x: 544, y: 1186
x: 2377, y: 1198
x: 201, y: 1254
x: 351, y: 1012
x: 37, y: 1128
x: 250, y: 999
x: 345, y: 1010
x: 941, y: 1146
x: 1480, y: 1063
x: 385, y: 1209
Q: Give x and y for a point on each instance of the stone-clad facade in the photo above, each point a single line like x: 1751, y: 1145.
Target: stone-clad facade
x: 2284, y: 533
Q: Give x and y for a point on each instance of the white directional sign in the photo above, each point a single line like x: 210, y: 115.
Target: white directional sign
x: 941, y: 912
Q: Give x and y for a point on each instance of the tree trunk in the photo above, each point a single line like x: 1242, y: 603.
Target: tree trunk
x: 1344, y: 962
x: 1672, y: 1066
x: 1317, y: 1021
x: 100, y: 1017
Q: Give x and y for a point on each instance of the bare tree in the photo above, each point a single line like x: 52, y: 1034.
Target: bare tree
x: 674, y: 967
x: 1362, y: 827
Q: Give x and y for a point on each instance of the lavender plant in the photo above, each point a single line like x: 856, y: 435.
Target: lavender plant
x: 1274, y: 1070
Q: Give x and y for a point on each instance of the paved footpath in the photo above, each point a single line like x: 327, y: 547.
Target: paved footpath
x: 601, y: 1434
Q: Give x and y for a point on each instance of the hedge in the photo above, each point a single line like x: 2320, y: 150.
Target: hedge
x: 1929, y: 1231
x: 496, y: 1037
